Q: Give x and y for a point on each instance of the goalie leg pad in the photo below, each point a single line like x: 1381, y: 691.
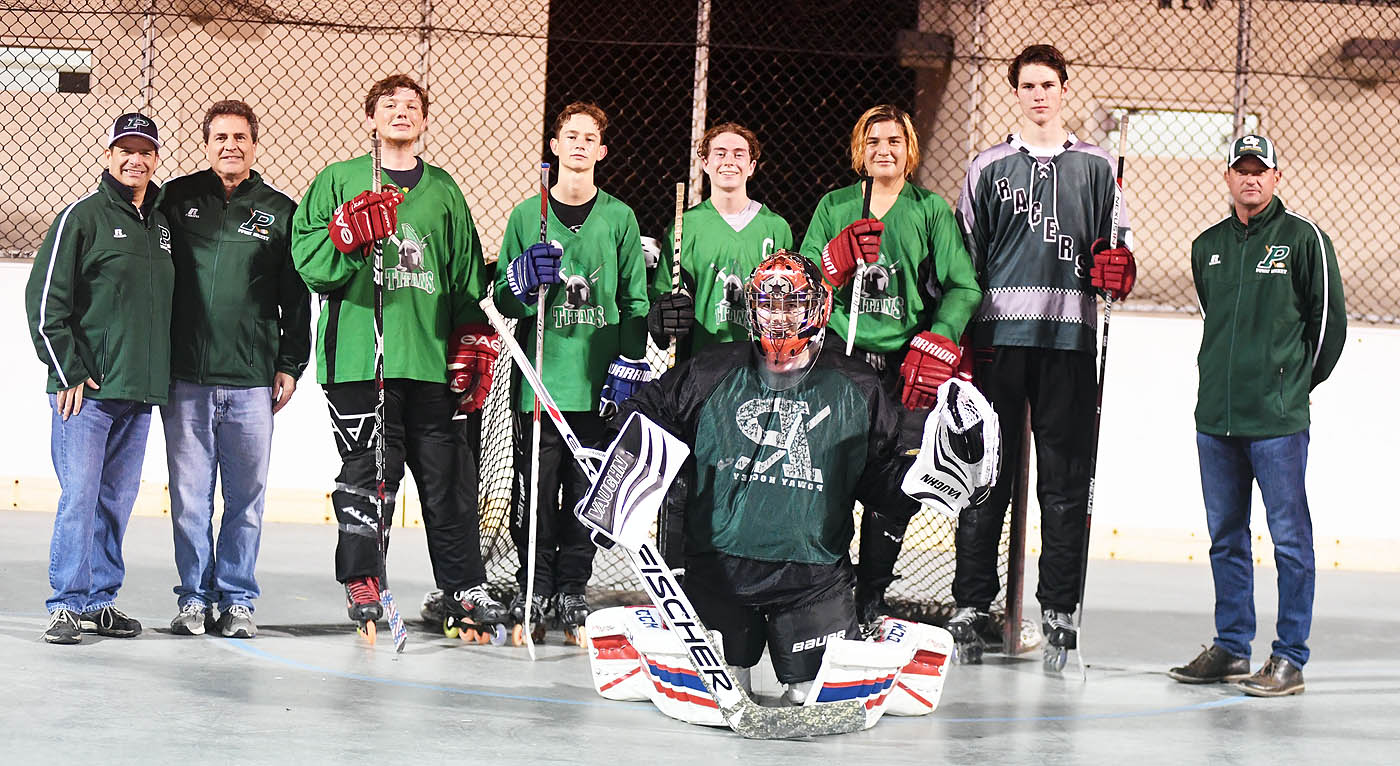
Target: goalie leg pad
x: 919, y: 686
x: 636, y: 657
x: 960, y: 455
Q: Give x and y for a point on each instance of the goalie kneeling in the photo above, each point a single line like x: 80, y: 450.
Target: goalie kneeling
x: 784, y: 439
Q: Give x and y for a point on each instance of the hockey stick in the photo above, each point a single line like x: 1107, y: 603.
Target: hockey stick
x: 744, y: 716
x: 527, y: 627
x: 386, y: 597
x: 858, y: 288
x: 1098, y: 404
x: 676, y: 266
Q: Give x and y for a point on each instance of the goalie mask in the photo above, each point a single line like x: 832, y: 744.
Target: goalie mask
x: 788, y: 307
x: 960, y: 456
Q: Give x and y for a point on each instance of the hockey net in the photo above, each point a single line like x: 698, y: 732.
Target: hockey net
x: 922, y: 592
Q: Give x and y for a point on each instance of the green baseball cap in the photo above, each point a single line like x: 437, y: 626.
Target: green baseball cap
x: 1253, y: 146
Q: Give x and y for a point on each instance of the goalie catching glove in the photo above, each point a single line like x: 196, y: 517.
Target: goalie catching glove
x: 368, y: 218
x: 1114, y: 270
x: 860, y: 240
x: 625, y: 376
x: 931, y: 360
x: 471, y: 364
x: 960, y: 456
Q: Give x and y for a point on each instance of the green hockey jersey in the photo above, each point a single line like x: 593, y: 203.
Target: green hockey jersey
x: 716, y: 261
x: 599, y: 311
x: 922, y: 281
x: 434, y: 276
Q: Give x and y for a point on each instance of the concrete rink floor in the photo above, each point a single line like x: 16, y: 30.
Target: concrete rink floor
x: 307, y: 690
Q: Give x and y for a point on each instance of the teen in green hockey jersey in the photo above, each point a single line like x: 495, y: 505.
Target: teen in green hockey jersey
x: 595, y: 305
x: 434, y: 277
x: 1038, y: 213
x: 786, y: 435
x: 919, y: 292
x: 722, y: 240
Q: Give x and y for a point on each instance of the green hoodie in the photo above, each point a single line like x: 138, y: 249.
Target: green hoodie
x: 98, y: 298
x: 1275, y: 321
x: 241, y: 311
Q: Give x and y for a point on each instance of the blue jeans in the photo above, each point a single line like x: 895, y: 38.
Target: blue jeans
x: 97, y: 455
x: 221, y: 432
x: 1228, y: 467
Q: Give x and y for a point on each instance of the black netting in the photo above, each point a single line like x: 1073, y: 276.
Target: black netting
x: 1320, y: 78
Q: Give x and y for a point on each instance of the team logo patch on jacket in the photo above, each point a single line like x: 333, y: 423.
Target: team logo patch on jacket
x: 256, y: 225
x: 1273, y: 262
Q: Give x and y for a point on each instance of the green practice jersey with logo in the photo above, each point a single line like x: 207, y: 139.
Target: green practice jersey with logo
x: 923, y: 279
x: 777, y: 472
x: 1030, y: 221
x: 433, y: 277
x: 716, y: 261
x: 599, y: 311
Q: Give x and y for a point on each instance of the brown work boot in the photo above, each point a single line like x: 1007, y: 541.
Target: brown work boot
x: 1279, y: 677
x: 1211, y: 667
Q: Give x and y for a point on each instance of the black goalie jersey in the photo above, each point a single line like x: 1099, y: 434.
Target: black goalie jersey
x: 776, y: 472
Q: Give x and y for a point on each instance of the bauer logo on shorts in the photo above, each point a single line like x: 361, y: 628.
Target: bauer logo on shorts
x: 257, y: 225
x: 1273, y: 262
x: 790, y: 440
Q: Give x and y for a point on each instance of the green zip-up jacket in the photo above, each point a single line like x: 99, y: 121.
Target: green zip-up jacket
x: 1275, y: 322
x: 98, y: 298
x: 241, y: 312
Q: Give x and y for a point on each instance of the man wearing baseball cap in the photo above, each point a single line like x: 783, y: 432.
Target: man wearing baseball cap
x: 1275, y: 322
x: 98, y: 303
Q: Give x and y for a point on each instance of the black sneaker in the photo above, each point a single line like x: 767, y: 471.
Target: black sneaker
x: 1278, y: 678
x: 63, y: 628
x: 110, y: 621
x: 1212, y: 666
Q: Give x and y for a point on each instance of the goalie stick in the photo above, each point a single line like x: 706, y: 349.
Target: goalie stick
x: 386, y: 597
x: 746, y: 717
x: 1098, y: 405
x: 858, y: 285
x: 534, y: 504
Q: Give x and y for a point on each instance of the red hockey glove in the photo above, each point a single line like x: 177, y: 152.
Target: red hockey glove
x: 859, y: 240
x: 931, y: 360
x: 471, y: 364
x: 367, y: 218
x: 1114, y: 271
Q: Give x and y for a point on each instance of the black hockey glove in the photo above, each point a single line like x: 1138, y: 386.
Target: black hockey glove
x: 671, y: 315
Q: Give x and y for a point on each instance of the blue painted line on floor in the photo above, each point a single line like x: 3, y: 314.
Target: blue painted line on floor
x: 247, y: 648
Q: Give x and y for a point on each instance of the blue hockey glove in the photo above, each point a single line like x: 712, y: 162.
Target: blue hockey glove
x: 534, y: 268
x: 625, y: 377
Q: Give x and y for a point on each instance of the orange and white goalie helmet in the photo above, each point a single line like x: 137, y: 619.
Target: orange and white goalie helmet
x: 788, y: 306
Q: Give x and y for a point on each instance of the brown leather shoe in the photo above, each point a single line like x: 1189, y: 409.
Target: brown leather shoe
x: 1212, y: 666
x: 1279, y: 677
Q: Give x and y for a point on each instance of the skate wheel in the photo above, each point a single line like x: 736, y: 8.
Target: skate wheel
x: 449, y: 628
x: 499, y: 635
x: 538, y: 634
x: 1054, y: 658
x: 368, y: 630
x: 576, y: 636
x: 517, y: 635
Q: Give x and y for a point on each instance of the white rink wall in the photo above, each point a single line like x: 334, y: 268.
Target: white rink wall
x: 1147, y: 505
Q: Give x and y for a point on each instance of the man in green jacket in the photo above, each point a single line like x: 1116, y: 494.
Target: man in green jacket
x: 98, y: 304
x: 1275, y: 322
x: 239, y: 342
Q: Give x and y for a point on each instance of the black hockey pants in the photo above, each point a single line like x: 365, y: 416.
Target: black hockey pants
x: 564, y: 552
x: 419, y: 431
x: 1060, y: 386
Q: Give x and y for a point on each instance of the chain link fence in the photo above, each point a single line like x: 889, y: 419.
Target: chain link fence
x: 1320, y: 78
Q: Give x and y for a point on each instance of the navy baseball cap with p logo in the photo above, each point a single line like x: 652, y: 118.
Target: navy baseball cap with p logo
x: 134, y: 124
x: 1255, y: 146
